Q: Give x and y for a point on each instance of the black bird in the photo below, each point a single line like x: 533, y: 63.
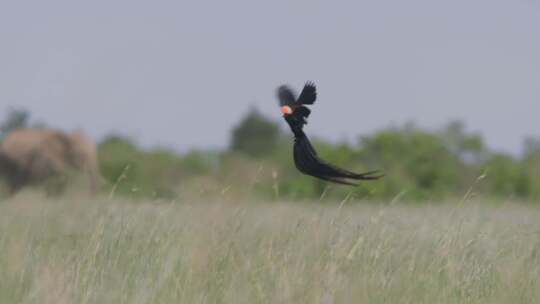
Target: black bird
x: 306, y: 160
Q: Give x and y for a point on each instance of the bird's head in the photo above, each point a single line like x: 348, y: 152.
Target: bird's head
x: 286, y: 110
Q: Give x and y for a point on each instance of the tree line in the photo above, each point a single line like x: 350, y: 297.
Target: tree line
x: 420, y: 165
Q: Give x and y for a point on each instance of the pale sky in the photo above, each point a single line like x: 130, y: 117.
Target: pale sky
x: 181, y: 73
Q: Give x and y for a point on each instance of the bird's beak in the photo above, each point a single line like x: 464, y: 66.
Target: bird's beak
x: 286, y: 110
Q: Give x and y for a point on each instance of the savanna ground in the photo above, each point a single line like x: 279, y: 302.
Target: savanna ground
x: 113, y: 251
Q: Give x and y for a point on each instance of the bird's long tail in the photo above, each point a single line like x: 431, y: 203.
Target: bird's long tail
x: 308, y: 162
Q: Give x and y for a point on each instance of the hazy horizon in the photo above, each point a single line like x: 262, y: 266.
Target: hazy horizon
x: 182, y: 74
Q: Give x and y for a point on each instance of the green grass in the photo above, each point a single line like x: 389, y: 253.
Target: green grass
x: 82, y: 251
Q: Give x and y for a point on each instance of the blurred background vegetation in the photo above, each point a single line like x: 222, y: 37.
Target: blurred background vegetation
x: 420, y: 165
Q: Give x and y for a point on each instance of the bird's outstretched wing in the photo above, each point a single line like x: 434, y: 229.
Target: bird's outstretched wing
x: 308, y: 95
x: 286, y: 96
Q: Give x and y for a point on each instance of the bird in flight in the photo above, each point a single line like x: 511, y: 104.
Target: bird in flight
x: 295, y: 112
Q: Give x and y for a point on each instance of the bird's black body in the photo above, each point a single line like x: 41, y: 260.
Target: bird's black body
x: 305, y: 156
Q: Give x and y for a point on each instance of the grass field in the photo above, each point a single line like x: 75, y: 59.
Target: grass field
x: 79, y: 251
